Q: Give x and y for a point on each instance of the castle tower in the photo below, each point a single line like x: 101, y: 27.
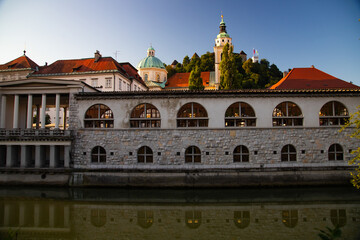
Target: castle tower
x: 220, y: 41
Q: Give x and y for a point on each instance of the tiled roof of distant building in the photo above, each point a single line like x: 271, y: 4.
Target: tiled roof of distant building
x: 311, y: 78
x: 22, y: 62
x: 181, y: 80
x: 72, y: 66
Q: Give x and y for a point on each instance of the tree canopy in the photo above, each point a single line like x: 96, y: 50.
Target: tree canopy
x: 237, y: 74
x: 195, y: 80
x: 354, y: 125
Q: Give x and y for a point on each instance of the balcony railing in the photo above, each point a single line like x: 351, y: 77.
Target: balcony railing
x: 35, y: 133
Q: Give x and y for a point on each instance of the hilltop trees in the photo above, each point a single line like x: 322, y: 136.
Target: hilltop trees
x: 236, y: 74
x: 195, y: 80
x: 229, y: 75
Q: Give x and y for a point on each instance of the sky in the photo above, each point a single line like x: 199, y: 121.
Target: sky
x: 288, y: 33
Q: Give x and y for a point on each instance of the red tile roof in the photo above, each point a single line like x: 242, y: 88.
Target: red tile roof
x: 19, y: 63
x: 181, y: 80
x: 132, y: 72
x: 61, y: 67
x: 311, y: 78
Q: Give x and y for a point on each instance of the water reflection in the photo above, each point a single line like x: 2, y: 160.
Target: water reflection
x: 133, y: 214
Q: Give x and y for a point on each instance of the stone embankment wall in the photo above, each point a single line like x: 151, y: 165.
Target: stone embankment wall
x: 217, y: 167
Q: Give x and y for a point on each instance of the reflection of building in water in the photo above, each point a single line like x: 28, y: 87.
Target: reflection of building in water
x: 47, y: 219
x: 80, y: 220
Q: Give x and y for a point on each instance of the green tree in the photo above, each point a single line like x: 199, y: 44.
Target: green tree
x: 354, y: 125
x: 229, y: 75
x: 195, y: 80
x: 170, y: 71
x: 207, y: 62
x: 186, y: 62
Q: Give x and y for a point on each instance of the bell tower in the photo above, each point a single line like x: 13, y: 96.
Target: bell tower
x: 222, y: 38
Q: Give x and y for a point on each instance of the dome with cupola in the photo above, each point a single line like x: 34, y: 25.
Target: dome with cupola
x: 151, y: 61
x: 152, y: 71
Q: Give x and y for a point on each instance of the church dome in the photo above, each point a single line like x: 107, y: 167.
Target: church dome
x: 151, y: 61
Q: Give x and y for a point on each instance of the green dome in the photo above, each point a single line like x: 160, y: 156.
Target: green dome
x: 222, y: 35
x: 151, y: 62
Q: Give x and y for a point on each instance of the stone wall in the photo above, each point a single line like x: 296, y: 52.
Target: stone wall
x: 216, y: 145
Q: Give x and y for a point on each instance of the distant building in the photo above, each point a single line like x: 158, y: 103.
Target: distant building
x: 17, y: 69
x: 152, y: 71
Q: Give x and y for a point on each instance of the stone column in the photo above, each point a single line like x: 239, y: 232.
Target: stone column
x: 24, y: 154
x: 52, y: 156
x: 9, y: 156
x: 66, y: 156
x: 3, y: 111
x: 43, y: 110
x: 29, y: 119
x: 16, y: 111
x: 39, y: 156
x: 57, y: 103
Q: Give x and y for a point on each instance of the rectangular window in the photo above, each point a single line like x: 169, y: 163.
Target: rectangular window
x: 94, y: 82
x: 120, y: 82
x: 108, y: 82
x: 128, y: 87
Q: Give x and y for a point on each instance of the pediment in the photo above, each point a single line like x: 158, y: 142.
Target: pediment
x: 43, y: 85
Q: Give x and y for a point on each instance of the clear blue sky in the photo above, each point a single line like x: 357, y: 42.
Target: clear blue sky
x: 289, y: 33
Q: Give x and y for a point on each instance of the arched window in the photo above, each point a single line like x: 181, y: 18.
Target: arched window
x: 145, y: 155
x: 157, y: 77
x: 336, y: 152
x: 98, y: 217
x: 146, y: 76
x: 241, y: 154
x: 240, y: 114
x: 241, y: 219
x: 288, y: 153
x: 290, y: 218
x: 333, y: 113
x: 145, y: 115
x: 287, y: 114
x: 192, y: 155
x: 193, y: 219
x: 338, y: 217
x: 145, y: 218
x: 99, y: 116
x: 98, y: 154
x: 192, y: 115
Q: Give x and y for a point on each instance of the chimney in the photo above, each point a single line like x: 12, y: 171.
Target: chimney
x: 285, y: 73
x: 45, y: 64
x: 97, y: 56
x: 312, y: 66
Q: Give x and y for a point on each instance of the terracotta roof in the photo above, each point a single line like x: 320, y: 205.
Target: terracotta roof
x: 74, y: 66
x: 181, y: 80
x: 19, y: 63
x: 132, y: 72
x: 311, y: 78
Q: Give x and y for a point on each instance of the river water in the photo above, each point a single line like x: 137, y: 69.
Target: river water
x: 110, y: 213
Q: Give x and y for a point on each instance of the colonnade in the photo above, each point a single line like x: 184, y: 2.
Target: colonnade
x: 35, y: 156
x: 40, y: 113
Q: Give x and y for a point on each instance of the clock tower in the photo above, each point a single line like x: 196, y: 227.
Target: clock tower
x: 220, y: 41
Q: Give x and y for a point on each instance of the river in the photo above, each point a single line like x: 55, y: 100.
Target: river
x: 110, y: 213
